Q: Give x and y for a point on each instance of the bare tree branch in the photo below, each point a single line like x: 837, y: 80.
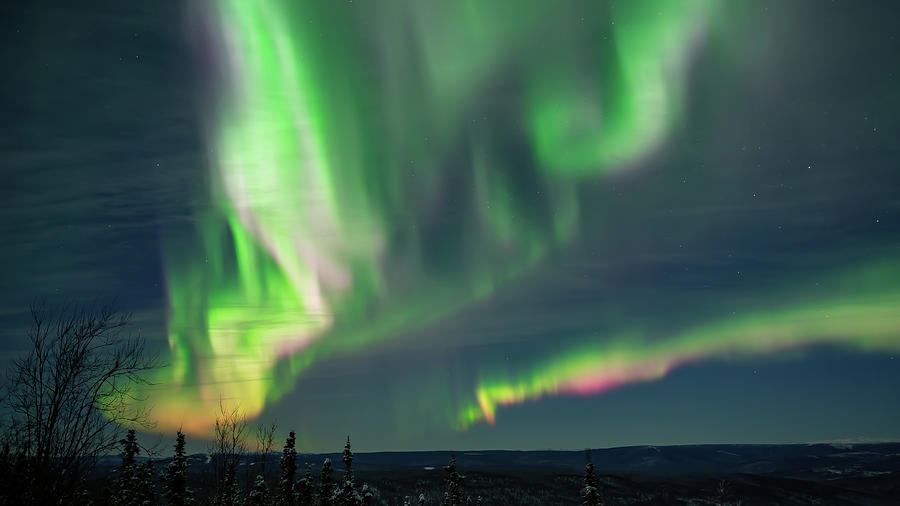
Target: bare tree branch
x: 70, y: 395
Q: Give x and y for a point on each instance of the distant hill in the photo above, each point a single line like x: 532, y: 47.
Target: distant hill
x: 805, y: 461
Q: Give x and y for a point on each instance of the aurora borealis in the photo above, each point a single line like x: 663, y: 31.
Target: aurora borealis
x: 447, y: 217
x: 307, y: 186
x: 868, y: 320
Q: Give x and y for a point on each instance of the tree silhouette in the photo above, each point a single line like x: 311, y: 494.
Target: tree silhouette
x: 259, y: 494
x: 288, y: 464
x: 174, y: 477
x: 347, y: 495
x: 229, y: 492
x: 326, y: 484
x: 229, y: 447
x: 304, y: 488
x: 367, y: 496
x: 590, y: 492
x: 453, y: 495
x: 128, y: 484
x: 146, y: 484
x: 69, y: 397
x: 265, y: 442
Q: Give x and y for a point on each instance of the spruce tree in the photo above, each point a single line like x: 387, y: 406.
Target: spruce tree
x: 348, y: 462
x: 230, y: 493
x: 326, y: 484
x: 288, y: 466
x: 347, y: 495
x: 259, y: 495
x: 304, y: 488
x: 421, y: 500
x: 127, y: 484
x: 174, y: 477
x: 453, y: 495
x: 367, y: 496
x: 146, y: 484
x: 590, y: 493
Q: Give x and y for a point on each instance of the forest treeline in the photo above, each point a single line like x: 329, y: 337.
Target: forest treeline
x: 139, y: 482
x: 68, y: 401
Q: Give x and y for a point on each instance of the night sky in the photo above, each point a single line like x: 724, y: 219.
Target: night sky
x: 469, y: 224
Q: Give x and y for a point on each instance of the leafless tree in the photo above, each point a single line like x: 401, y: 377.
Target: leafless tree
x: 69, y: 397
x: 229, y: 446
x: 265, y: 442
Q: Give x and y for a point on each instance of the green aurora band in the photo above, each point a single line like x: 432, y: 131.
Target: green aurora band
x: 343, y: 132
x: 855, y: 309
